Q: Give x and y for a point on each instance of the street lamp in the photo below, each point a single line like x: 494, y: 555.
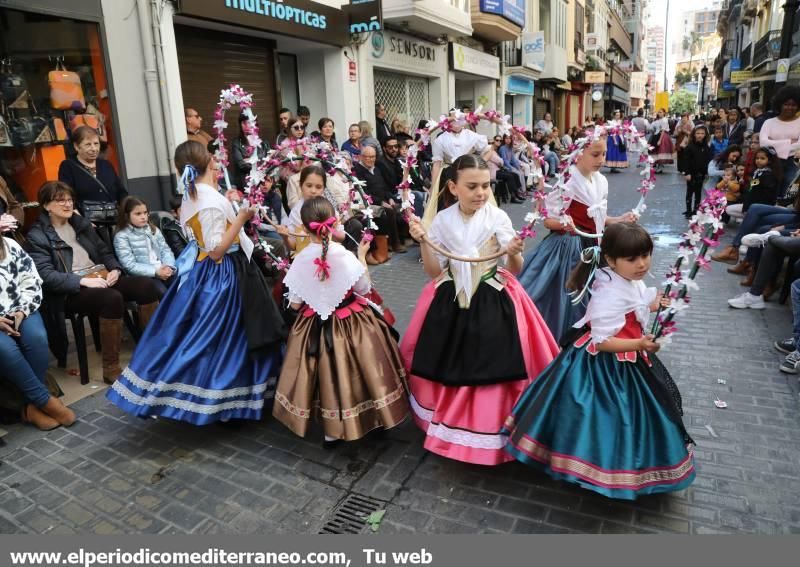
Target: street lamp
x: 704, y: 75
x: 612, y: 56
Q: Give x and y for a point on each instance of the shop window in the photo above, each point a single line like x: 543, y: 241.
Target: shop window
x: 52, y: 79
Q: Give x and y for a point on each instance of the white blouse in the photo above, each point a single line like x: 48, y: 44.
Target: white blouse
x: 448, y: 146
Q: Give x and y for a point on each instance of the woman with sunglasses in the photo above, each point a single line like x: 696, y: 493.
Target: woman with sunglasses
x: 297, y: 129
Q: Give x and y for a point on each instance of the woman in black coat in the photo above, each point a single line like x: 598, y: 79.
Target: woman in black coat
x: 693, y: 164
x: 81, y: 275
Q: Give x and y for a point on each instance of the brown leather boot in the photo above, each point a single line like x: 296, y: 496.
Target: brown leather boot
x: 381, y: 252
x: 740, y: 268
x: 748, y: 280
x: 36, y: 417
x: 729, y: 255
x: 110, y: 339
x: 56, y: 409
x: 146, y: 313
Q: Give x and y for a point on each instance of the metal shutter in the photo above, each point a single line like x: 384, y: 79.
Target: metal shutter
x: 210, y: 61
x: 404, y: 96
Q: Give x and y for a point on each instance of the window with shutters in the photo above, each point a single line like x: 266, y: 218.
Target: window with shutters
x: 403, y: 96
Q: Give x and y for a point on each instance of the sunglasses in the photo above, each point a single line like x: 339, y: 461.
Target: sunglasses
x: 392, y: 147
x: 298, y: 127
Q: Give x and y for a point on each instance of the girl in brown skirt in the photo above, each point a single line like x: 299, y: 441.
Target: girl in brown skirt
x: 342, y: 362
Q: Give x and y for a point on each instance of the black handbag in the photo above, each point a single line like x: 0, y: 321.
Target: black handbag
x: 102, y: 212
x: 29, y: 130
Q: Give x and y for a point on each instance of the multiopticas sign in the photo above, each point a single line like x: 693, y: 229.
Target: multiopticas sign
x: 280, y: 11
x: 290, y: 17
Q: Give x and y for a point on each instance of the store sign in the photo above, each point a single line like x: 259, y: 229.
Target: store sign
x: 468, y: 60
x: 741, y: 76
x: 396, y: 51
x: 595, y: 77
x: 533, y: 50
x: 364, y: 16
x: 727, y: 86
x: 352, y: 71
x: 511, y: 10
x: 519, y: 85
x: 782, y: 72
x: 736, y: 64
x: 297, y: 18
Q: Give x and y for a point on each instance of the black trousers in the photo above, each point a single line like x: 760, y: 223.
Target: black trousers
x: 769, y: 267
x: 109, y: 302
x: 694, y: 189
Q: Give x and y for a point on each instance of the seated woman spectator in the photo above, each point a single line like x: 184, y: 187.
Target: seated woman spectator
x: 81, y: 275
x: 550, y: 158
x: 510, y: 162
x: 783, y: 132
x: 353, y: 144
x: 23, y: 340
x: 763, y: 285
x: 326, y: 133
x: 508, y: 188
x: 367, y: 139
x: 141, y: 247
x: 97, y: 187
x: 716, y: 167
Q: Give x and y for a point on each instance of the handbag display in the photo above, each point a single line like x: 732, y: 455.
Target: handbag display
x: 5, y: 133
x: 59, y: 130
x: 29, y: 130
x: 66, y: 92
x: 13, y: 87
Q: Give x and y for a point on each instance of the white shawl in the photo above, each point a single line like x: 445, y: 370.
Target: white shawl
x: 594, y: 195
x: 613, y: 297
x: 464, y: 236
x: 324, y: 296
x: 210, y: 198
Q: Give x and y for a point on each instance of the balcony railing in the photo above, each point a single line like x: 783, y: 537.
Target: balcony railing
x: 511, y: 52
x: 762, y: 51
x: 747, y: 55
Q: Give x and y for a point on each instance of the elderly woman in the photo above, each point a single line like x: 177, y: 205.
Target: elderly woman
x: 98, y: 189
x: 81, y: 275
x: 367, y: 139
x: 353, y: 144
x: 23, y: 341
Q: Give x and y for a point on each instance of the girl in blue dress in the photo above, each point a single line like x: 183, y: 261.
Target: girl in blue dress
x: 212, y: 349
x: 617, y: 151
x: 583, y: 207
x: 606, y: 414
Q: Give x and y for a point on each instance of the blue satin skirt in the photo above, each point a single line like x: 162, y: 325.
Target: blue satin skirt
x: 611, y: 426
x: 544, y: 276
x: 192, y: 362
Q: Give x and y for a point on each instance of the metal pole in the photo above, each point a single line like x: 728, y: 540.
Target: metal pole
x: 666, y: 32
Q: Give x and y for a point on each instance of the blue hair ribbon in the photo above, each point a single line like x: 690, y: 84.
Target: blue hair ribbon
x: 187, y: 179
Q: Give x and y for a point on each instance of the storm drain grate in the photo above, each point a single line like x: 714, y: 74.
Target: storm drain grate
x: 350, y: 516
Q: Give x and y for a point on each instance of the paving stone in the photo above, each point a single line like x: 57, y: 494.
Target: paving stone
x: 75, y: 513
x: 183, y: 517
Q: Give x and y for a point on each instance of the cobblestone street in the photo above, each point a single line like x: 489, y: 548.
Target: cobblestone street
x: 111, y: 473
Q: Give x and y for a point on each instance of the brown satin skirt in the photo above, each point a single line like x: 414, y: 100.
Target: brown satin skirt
x: 356, y: 382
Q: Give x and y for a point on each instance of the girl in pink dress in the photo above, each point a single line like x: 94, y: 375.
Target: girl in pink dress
x: 475, y: 340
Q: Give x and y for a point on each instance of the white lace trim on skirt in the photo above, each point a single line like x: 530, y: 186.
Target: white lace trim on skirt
x: 492, y: 441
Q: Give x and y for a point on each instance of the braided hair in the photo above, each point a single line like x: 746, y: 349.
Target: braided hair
x: 317, y: 211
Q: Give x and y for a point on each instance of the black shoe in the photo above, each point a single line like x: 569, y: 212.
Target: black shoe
x: 786, y: 346
x: 332, y: 444
x: 516, y: 200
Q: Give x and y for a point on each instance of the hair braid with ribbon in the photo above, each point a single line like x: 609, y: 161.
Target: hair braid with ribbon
x: 319, y: 218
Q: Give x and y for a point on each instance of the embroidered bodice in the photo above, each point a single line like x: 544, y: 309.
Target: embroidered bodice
x: 631, y: 330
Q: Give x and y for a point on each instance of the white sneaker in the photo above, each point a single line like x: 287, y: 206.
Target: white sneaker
x: 747, y: 301
x: 758, y: 240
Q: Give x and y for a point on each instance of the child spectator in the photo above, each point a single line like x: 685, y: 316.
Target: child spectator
x: 719, y: 142
x: 141, y: 247
x: 730, y: 185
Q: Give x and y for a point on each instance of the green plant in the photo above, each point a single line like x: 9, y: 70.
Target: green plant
x: 682, y: 101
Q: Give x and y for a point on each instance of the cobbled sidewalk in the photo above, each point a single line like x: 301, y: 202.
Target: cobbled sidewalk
x: 111, y: 473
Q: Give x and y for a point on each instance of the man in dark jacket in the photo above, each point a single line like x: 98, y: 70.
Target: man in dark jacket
x: 382, y: 194
x: 389, y: 165
x: 382, y: 130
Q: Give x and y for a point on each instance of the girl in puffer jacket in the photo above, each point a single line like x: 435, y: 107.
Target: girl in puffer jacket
x: 141, y: 247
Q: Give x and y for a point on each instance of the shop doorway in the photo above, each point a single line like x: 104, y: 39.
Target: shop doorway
x: 211, y: 60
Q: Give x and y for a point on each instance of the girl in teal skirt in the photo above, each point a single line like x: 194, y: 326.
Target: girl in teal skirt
x: 605, y: 414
